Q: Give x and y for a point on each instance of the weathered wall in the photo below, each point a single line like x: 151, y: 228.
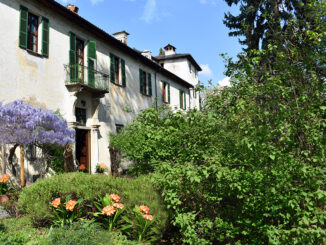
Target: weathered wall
x: 26, y: 75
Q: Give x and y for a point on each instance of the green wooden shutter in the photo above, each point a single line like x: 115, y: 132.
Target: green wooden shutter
x: 141, y: 85
x: 169, y: 98
x: 123, y: 71
x: 185, y: 101
x: 23, y: 27
x: 72, y: 57
x: 112, y: 68
x: 180, y: 98
x: 91, y: 57
x: 149, y: 84
x: 45, y: 37
x: 91, y: 50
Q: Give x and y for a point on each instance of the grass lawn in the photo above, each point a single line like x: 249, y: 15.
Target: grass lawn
x: 21, y: 231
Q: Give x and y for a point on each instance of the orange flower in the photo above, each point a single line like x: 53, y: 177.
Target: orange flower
x: 108, y: 210
x: 148, y: 217
x: 4, y: 178
x: 56, y: 202
x: 70, y: 205
x: 118, y: 205
x: 102, y: 165
x: 82, y: 167
x: 144, y: 209
x: 115, y: 198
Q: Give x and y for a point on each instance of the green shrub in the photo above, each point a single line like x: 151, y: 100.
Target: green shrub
x: 84, y: 234
x: 34, y: 200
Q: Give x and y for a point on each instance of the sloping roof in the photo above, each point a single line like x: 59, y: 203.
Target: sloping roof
x: 178, y: 56
x: 80, y: 21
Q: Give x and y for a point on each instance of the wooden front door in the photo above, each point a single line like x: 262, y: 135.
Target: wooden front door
x: 82, y: 149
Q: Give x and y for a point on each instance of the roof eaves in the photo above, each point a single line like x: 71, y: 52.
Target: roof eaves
x: 113, y: 41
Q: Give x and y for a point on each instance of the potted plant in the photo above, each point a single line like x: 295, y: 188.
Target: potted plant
x: 4, y: 188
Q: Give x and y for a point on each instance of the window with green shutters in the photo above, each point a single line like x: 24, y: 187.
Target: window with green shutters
x: 29, y: 37
x: 145, y: 83
x: 166, y: 92
x: 117, y: 70
x: 91, y: 61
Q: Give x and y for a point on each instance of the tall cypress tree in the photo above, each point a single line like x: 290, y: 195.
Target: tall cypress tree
x: 261, y: 21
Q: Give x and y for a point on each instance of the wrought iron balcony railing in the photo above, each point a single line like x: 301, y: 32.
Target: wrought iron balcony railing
x: 83, y: 75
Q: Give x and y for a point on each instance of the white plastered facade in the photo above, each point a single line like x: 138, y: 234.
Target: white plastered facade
x: 30, y: 76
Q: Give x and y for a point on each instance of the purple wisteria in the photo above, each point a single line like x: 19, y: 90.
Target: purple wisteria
x: 22, y: 123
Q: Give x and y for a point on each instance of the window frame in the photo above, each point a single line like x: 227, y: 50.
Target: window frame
x: 165, y: 92
x: 30, y: 34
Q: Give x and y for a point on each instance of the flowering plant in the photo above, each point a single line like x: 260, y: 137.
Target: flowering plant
x: 100, y: 168
x: 66, y: 212
x: 143, y: 224
x: 110, y: 209
x: 4, y: 184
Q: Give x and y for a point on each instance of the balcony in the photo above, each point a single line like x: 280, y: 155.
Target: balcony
x: 80, y: 77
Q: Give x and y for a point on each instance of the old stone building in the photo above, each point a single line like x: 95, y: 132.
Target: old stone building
x: 98, y: 83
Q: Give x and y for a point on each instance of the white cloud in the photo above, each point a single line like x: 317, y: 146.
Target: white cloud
x: 149, y: 11
x: 213, y: 2
x: 96, y: 1
x: 206, y: 71
x: 225, y: 82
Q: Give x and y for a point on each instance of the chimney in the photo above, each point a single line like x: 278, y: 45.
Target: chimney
x: 169, y: 49
x: 73, y: 8
x: 121, y: 36
x: 147, y: 54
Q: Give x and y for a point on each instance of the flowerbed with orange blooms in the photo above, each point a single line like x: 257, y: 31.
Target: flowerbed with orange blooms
x: 109, y: 215
x: 4, y: 184
x: 101, y: 168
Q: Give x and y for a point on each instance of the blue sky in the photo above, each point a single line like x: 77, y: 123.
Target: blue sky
x: 192, y: 26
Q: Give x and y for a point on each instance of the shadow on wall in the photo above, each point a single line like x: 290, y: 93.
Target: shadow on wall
x: 35, y: 166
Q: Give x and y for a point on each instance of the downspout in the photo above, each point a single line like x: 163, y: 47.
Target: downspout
x: 156, y: 92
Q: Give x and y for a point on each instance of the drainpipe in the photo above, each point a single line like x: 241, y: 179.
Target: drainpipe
x: 155, y: 91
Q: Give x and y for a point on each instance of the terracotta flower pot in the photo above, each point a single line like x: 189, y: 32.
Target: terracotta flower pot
x: 4, y: 198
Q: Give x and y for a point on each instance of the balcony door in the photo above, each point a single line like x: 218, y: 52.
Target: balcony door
x: 80, y: 59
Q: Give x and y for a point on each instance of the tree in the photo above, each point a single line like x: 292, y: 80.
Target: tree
x: 22, y: 124
x: 262, y: 21
x: 162, y: 52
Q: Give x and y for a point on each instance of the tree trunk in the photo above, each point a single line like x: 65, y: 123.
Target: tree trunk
x: 68, y: 158
x: 10, y: 159
x: 22, y: 170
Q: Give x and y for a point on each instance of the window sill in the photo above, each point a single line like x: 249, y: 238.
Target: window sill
x: 119, y: 85
x: 34, y: 53
x: 147, y: 95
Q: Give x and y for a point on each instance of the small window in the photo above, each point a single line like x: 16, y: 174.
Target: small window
x: 162, y: 64
x: 80, y: 116
x: 145, y: 80
x: 32, y: 29
x: 182, y: 96
x: 190, y: 68
x: 166, y: 92
x: 119, y: 127
x: 117, y: 69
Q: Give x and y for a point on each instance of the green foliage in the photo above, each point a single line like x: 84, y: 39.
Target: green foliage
x: 56, y: 158
x: 162, y: 135
x: 142, y: 227
x: 250, y: 168
x: 19, y: 231
x: 84, y: 234
x: 34, y: 200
